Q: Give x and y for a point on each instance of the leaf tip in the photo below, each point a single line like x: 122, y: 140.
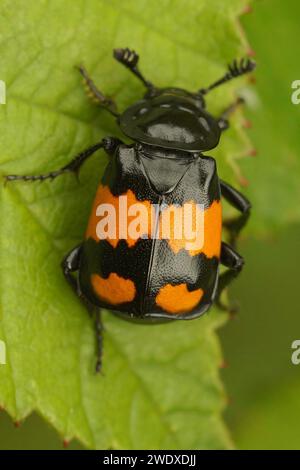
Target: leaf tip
x: 246, y: 10
x: 251, y: 79
x: 247, y: 124
x: 243, y: 181
x: 252, y: 152
x: 66, y: 443
x: 251, y: 52
x: 229, y: 400
x: 224, y: 365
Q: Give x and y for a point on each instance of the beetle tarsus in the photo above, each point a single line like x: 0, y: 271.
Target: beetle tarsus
x: 51, y: 175
x: 99, y: 341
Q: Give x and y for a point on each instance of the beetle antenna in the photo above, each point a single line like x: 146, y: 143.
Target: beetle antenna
x: 129, y: 58
x: 236, y: 69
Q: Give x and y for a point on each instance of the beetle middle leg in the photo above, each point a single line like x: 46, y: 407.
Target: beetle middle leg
x: 95, y: 94
x: 223, y: 118
x: 234, y: 262
x: 109, y: 144
x: 242, y: 204
x: 70, y: 265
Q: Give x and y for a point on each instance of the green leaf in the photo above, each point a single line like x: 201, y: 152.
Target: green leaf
x: 160, y: 387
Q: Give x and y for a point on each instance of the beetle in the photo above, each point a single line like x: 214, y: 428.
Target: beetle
x: 151, y: 278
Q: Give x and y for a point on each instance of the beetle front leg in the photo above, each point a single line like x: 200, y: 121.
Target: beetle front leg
x: 234, y: 262
x: 109, y: 144
x: 242, y: 204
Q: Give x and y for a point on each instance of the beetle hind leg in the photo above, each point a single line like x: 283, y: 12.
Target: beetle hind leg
x: 234, y: 262
x: 70, y: 265
x: 96, y: 95
x: 242, y: 204
x: 99, y: 340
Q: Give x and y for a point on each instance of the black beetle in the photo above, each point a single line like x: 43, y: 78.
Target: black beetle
x: 150, y: 277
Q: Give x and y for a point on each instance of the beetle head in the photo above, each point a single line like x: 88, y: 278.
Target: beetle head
x: 171, y: 118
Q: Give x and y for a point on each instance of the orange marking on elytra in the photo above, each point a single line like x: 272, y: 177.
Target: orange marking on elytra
x: 122, y: 219
x: 177, y: 299
x: 113, y: 290
x: 212, y: 230
x: 211, y: 238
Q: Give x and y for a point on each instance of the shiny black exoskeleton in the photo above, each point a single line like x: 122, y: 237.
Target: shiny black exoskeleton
x: 149, y: 279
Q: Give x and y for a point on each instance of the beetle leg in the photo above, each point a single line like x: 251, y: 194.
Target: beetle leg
x: 96, y: 95
x: 109, y: 144
x: 130, y: 59
x: 70, y: 265
x: 99, y: 339
x: 242, y: 204
x: 234, y: 262
x: 223, y: 119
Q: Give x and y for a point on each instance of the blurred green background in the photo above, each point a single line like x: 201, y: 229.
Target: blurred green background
x: 262, y: 384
